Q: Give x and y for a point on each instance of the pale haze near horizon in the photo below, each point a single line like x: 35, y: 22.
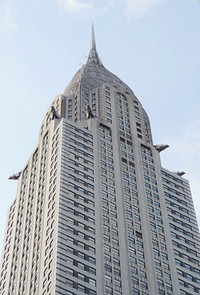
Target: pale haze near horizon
x: 153, y: 46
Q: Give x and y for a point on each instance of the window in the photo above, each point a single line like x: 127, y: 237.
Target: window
x: 92, y: 282
x: 92, y: 270
x: 91, y: 260
x: 81, y: 265
x: 70, y: 271
x: 81, y: 288
x: 81, y: 276
x: 69, y: 283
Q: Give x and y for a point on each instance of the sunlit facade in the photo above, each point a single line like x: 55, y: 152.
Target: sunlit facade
x: 95, y: 212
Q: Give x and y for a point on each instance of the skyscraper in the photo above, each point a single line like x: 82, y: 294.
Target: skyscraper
x: 95, y: 212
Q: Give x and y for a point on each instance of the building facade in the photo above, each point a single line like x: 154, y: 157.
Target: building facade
x: 95, y: 211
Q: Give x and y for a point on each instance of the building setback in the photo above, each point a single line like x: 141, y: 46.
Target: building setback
x: 95, y: 212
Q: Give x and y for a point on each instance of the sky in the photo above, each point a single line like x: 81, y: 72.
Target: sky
x: 152, y: 45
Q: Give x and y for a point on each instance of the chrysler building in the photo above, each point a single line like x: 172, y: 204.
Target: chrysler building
x: 95, y: 212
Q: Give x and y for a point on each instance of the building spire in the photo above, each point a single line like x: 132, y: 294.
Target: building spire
x: 93, y: 41
x: 93, y: 56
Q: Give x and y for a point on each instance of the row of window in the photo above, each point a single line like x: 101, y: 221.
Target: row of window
x: 79, y: 189
x: 79, y: 287
x: 181, y: 230
x: 83, y: 135
x: 81, y: 276
x: 76, y: 223
x: 172, y: 197
x: 181, y: 238
x: 81, y: 235
x: 79, y: 180
x: 78, y: 165
x: 181, y: 246
x: 187, y: 266
x: 73, y: 148
x: 191, y: 287
x: 77, y: 198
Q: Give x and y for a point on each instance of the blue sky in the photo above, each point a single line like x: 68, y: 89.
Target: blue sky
x: 152, y: 45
